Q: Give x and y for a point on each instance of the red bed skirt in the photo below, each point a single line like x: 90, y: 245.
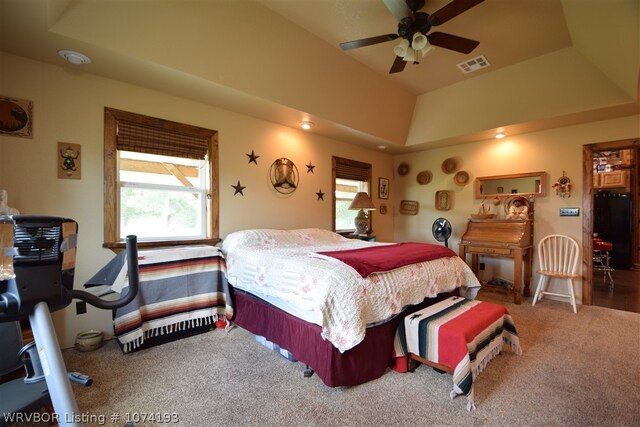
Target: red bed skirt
x: 365, y: 362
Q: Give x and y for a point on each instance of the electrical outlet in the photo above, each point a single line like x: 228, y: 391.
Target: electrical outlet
x: 81, y: 307
x: 569, y: 211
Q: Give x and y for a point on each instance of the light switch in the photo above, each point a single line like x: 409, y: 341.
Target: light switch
x: 569, y: 211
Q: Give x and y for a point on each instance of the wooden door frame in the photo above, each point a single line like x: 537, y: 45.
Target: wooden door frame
x: 587, y: 207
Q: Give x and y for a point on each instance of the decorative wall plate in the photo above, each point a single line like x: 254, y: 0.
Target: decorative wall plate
x: 461, y: 178
x: 449, y: 165
x: 403, y: 169
x: 424, y: 177
x: 510, y: 201
x: 284, y: 176
x: 444, y: 200
x: 409, y: 207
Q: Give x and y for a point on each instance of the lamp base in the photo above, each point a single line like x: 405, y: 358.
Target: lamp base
x: 361, y: 222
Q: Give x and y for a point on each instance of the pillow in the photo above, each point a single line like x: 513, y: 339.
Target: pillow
x: 271, y: 237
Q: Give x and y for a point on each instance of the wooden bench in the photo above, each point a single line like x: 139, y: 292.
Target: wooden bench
x: 457, y: 336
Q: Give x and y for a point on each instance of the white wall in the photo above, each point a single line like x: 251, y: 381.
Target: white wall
x: 553, y: 151
x: 68, y: 107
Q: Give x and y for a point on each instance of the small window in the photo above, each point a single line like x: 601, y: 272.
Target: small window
x: 349, y: 177
x: 162, y: 197
x: 159, y: 181
x: 346, y: 190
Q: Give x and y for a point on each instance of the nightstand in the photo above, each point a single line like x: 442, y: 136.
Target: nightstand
x: 367, y: 238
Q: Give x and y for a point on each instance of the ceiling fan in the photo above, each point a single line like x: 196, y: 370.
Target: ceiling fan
x: 414, y: 27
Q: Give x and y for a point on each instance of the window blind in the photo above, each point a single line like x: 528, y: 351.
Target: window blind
x: 351, y: 169
x: 152, y: 140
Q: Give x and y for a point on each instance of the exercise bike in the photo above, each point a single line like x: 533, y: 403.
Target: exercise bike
x: 37, y: 265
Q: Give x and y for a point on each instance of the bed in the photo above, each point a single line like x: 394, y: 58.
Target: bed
x: 290, y: 287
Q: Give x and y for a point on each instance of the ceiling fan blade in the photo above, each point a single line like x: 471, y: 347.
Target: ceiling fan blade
x: 368, y: 41
x: 451, y: 42
x: 398, y: 65
x: 451, y: 10
x: 398, y: 8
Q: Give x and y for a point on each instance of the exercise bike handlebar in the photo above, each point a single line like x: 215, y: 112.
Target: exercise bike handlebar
x: 132, y: 290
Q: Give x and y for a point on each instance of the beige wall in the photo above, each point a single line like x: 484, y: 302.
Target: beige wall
x: 553, y: 151
x: 68, y: 106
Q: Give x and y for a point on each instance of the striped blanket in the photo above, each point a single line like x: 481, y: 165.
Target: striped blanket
x: 180, y: 288
x: 460, y: 334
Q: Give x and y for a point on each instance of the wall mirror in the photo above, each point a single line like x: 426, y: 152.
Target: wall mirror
x: 532, y: 183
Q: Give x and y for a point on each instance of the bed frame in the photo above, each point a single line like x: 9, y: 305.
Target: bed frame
x: 365, y: 362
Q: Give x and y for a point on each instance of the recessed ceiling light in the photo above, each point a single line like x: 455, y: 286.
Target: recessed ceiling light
x: 76, y: 58
x: 500, y: 135
x: 382, y: 147
x: 306, y: 125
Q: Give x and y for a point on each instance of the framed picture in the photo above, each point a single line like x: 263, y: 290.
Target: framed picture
x: 383, y: 188
x: 16, y: 117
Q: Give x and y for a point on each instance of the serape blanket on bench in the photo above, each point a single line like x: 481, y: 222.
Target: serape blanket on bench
x: 180, y: 288
x: 461, y: 334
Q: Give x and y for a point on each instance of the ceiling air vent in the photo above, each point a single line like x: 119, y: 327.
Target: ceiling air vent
x: 473, y: 64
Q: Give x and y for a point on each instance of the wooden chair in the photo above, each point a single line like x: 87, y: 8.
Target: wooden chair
x: 559, y: 257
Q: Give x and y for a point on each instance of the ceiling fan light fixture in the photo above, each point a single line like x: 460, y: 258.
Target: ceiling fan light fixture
x: 410, y: 56
x: 401, y: 48
x: 427, y: 49
x: 419, y: 41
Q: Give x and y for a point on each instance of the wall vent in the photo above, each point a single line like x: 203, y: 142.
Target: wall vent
x: 474, y: 64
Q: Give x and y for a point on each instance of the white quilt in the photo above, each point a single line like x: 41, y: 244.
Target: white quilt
x: 278, y: 263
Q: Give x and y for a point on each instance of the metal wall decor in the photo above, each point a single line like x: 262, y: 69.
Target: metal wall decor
x: 284, y: 176
x: 253, y: 158
x: 310, y: 167
x: 238, y: 189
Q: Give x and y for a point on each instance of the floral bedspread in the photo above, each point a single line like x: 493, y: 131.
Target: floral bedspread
x: 278, y: 263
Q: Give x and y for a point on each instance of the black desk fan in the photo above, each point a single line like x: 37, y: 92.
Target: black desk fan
x: 37, y: 265
x: 441, y: 230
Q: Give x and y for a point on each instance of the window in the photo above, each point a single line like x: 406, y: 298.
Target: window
x: 160, y: 181
x: 349, y: 177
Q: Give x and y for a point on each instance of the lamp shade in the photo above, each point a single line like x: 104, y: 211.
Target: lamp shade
x: 419, y: 41
x: 410, y: 56
x: 401, y: 48
x: 362, y: 201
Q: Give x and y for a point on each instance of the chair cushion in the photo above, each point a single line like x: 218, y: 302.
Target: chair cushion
x: 602, y: 246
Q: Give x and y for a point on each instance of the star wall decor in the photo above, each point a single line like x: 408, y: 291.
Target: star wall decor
x: 238, y: 188
x: 252, y: 157
x: 320, y: 194
x: 310, y: 167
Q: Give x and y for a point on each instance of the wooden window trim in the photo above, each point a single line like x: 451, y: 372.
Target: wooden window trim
x: 111, y: 210
x: 336, y: 162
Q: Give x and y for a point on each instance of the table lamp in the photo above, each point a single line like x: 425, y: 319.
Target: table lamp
x: 363, y: 202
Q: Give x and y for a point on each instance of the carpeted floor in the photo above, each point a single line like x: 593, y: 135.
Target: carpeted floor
x: 576, y: 370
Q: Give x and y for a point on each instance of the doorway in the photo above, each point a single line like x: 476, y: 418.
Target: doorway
x: 627, y: 278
